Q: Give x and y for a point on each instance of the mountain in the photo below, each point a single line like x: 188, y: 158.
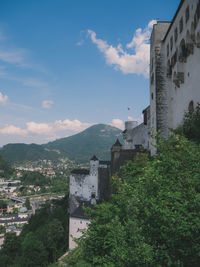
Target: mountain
x: 96, y: 139
x: 23, y: 152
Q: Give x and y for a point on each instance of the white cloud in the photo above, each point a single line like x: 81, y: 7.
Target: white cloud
x: 47, y: 104
x: 15, y: 56
x: 39, y: 128
x: 3, y: 99
x: 13, y: 130
x: 118, y: 123
x: 50, y: 129
x: 52, y: 138
x: 136, y: 62
x: 75, y: 125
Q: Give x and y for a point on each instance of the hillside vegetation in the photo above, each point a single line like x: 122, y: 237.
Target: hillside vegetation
x: 153, y: 216
x: 5, y: 169
x: 42, y: 241
x: 97, y: 140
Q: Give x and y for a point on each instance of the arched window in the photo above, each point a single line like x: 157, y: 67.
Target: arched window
x: 191, y: 106
x: 189, y: 44
x: 181, y: 25
x: 198, y: 40
x: 192, y: 32
x: 182, y: 51
x: 195, y: 20
x: 187, y: 14
x: 198, y: 10
x: 169, y: 69
x: 176, y: 34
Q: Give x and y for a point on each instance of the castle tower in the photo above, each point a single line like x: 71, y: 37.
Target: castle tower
x: 94, y: 164
x: 115, y: 156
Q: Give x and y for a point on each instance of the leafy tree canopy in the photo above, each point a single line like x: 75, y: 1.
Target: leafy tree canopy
x: 153, y: 218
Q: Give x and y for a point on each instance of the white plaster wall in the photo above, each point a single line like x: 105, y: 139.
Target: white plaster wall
x: 137, y: 136
x: 179, y: 98
x: 83, y: 186
x: 75, y: 227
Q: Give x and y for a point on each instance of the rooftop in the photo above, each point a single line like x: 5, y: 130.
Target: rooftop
x: 80, y: 171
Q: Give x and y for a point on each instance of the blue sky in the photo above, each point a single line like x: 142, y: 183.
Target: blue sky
x: 68, y: 64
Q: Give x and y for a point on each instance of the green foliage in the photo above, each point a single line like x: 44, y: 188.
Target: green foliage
x: 24, y: 152
x: 153, y: 218
x: 191, y: 125
x: 42, y: 241
x: 33, y: 252
x: 34, y: 178
x: 10, y: 249
x: 5, y: 169
x: 27, y: 204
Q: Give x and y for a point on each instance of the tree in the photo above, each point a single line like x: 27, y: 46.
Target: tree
x: 10, y: 248
x: 33, y: 252
x: 27, y: 204
x: 153, y: 217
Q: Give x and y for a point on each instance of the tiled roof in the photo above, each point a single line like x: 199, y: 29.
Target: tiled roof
x: 80, y: 171
x: 94, y: 158
x: 104, y: 162
x: 117, y: 143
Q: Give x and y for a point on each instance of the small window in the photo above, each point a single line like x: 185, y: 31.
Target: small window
x: 181, y: 25
x: 187, y: 14
x: 176, y: 34
x: 93, y: 195
x: 168, y: 50
x: 191, y: 107
x: 171, y: 43
x: 152, y: 78
x: 152, y: 96
x: 152, y: 63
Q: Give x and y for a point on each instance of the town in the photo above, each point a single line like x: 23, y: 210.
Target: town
x: 30, y: 186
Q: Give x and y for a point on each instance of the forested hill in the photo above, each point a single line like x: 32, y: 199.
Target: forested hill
x: 96, y: 139
x: 5, y: 168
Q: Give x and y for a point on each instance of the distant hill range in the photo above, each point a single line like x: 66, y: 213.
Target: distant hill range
x: 96, y: 139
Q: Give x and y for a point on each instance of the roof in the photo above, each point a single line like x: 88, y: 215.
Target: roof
x: 79, y: 212
x: 94, y: 158
x: 104, y: 162
x: 117, y: 143
x: 80, y: 171
x: 146, y: 109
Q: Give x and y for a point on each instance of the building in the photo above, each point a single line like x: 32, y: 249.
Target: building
x: 87, y: 187
x: 174, y: 75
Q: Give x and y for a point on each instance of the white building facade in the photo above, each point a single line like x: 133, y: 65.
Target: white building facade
x: 174, y: 71
x: 86, y: 189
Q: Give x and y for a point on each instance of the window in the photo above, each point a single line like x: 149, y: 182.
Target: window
x: 181, y: 25
x: 152, y: 96
x: 169, y: 69
x: 152, y: 78
x: 168, y: 50
x: 152, y: 64
x: 191, y: 107
x: 187, y: 14
x: 182, y: 51
x: 171, y: 42
x: 176, y: 34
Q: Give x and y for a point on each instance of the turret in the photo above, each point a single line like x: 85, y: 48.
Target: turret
x: 94, y: 164
x: 115, y: 156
